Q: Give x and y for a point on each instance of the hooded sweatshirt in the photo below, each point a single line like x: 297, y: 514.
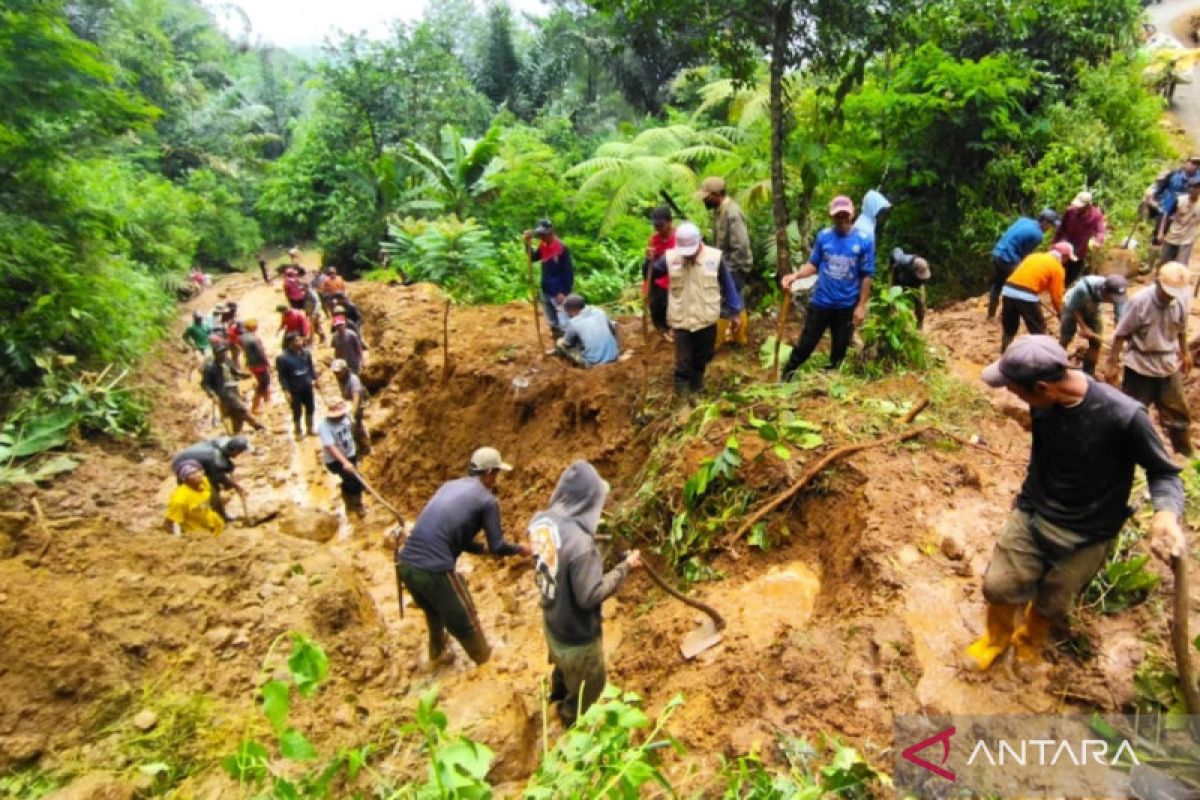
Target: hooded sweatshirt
x: 570, y: 573
x: 873, y: 205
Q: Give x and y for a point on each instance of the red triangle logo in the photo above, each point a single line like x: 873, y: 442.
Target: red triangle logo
x: 910, y: 754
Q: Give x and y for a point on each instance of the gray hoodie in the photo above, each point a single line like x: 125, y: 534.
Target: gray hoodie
x: 570, y: 573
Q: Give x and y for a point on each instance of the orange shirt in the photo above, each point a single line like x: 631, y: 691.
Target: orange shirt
x: 1041, y: 272
x: 333, y: 285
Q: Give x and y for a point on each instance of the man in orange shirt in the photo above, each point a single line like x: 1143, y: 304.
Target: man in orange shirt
x: 1037, y: 273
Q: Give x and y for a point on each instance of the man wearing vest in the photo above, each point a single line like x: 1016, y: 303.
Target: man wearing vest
x: 701, y: 292
x: 844, y: 262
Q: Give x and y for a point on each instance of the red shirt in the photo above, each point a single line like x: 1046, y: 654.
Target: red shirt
x: 293, y: 289
x: 659, y: 245
x: 295, y: 321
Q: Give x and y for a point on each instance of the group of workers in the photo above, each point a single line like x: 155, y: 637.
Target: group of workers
x: 1087, y: 436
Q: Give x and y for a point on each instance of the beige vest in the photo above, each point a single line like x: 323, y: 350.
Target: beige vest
x: 694, y: 301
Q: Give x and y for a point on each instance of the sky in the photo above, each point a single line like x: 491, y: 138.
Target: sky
x: 301, y: 23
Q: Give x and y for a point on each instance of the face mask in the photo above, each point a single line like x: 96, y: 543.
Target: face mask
x: 711, y: 204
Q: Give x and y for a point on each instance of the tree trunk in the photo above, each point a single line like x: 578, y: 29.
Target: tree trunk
x: 779, y: 49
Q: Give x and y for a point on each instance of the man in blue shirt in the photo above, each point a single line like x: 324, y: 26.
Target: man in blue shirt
x: 1163, y: 195
x: 844, y: 263
x: 1022, y: 238
x: 558, y: 273
x: 588, y: 338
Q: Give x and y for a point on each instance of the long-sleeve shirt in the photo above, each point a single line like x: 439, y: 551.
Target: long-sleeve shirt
x: 1040, y: 272
x: 1085, y: 297
x: 1079, y: 226
x: 1168, y: 190
x: 558, y: 271
x: 731, y: 236
x: 197, y: 335
x: 296, y: 371
x: 447, y: 527
x: 690, y: 308
x: 1082, y: 462
x: 1022, y: 238
x: 348, y: 347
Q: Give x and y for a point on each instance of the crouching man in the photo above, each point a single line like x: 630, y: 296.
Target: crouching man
x: 571, y: 578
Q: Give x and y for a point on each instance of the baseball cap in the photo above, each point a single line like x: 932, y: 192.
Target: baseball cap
x: 1174, y: 279
x: 1064, y: 249
x: 574, y: 303
x: 237, y: 444
x: 1048, y: 215
x: 543, y: 226
x: 687, y: 239
x: 710, y: 185
x: 486, y: 459
x: 841, y: 204
x: 1194, y: 159
x: 1082, y: 199
x: 660, y: 214
x: 336, y: 408
x: 1115, y: 284
x: 339, y: 321
x: 338, y: 365
x: 1027, y: 360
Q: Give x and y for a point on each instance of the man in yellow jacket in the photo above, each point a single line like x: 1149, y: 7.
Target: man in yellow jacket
x: 1038, y: 273
x: 189, y: 510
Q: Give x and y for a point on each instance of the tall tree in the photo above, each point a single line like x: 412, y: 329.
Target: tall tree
x: 830, y: 39
x: 498, y: 66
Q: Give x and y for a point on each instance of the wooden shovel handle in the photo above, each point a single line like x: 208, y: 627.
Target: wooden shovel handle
x: 1179, y: 637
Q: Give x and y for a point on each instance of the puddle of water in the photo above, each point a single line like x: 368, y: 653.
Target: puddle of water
x: 784, y: 595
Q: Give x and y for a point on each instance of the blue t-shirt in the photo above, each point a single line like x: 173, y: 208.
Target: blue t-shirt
x: 842, y: 262
x: 590, y: 330
x: 1021, y: 239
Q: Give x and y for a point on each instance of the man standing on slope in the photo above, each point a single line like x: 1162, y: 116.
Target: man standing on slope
x: 571, y: 578
x: 297, y: 376
x: 558, y: 273
x: 1154, y: 324
x: 1040, y: 272
x: 844, y: 263
x: 1083, y: 225
x: 1087, y: 439
x: 654, y: 289
x: 731, y: 236
x: 1022, y: 238
x: 445, y: 530
x: 702, y: 291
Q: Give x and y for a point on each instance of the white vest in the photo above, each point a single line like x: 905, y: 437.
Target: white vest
x: 694, y: 299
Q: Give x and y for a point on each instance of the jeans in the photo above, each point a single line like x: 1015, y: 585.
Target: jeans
x: 1000, y: 272
x: 556, y: 316
x: 1011, y: 315
x: 840, y: 324
x: 693, y: 351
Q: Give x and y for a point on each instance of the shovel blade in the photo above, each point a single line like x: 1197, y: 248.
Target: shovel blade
x: 699, y: 640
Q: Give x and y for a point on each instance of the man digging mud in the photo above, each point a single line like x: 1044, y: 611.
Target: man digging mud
x: 216, y: 457
x: 445, y: 529
x: 219, y: 379
x: 571, y: 578
x: 339, y: 454
x: 1087, y: 439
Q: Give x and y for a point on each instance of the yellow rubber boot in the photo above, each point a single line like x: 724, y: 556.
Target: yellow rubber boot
x: 1029, y: 640
x: 722, y: 333
x: 743, y: 334
x: 1001, y: 618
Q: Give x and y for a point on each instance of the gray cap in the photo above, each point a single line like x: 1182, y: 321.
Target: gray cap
x: 237, y: 444
x: 1048, y: 215
x: 1027, y: 360
x: 486, y: 459
x: 543, y: 226
x: 1115, y: 284
x: 574, y: 303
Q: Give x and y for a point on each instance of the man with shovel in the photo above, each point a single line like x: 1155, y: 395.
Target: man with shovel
x: 1087, y: 439
x: 570, y: 576
x: 1081, y: 312
x: 558, y: 273
x: 445, y: 529
x: 339, y: 454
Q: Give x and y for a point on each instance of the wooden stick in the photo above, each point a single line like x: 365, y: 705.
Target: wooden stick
x: 1179, y: 637
x: 779, y: 330
x: 41, y: 521
x: 816, y: 469
x: 916, y: 411
x: 446, y: 344
x: 533, y: 298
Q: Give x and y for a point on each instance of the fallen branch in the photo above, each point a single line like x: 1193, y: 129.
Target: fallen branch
x: 816, y: 469
x: 916, y: 411
x: 41, y: 521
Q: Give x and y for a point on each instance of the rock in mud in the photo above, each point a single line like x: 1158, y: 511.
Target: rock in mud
x: 495, y: 714
x: 952, y: 548
x: 95, y: 786
x: 310, y: 524
x: 145, y: 720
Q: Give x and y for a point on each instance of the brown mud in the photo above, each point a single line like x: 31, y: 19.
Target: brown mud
x: 857, y: 613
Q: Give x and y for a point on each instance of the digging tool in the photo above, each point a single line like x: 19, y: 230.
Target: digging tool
x: 670, y: 201
x: 398, y: 536
x: 533, y: 297
x: 253, y: 522
x: 1179, y: 639
x: 708, y: 634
